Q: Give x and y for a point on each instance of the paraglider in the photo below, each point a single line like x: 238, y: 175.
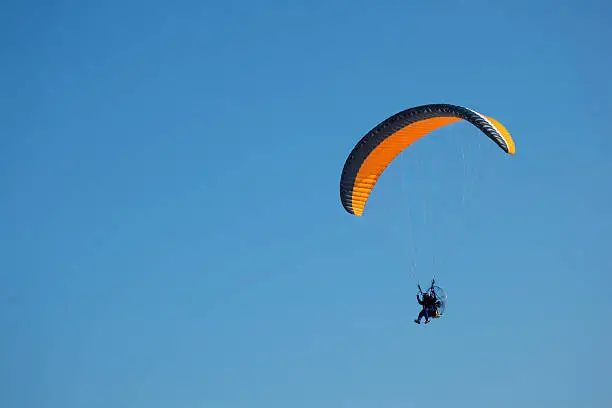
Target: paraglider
x: 380, y: 146
x: 433, y: 303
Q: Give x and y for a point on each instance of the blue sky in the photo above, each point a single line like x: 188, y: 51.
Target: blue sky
x: 172, y: 233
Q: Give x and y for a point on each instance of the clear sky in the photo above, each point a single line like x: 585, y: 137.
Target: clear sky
x: 171, y: 230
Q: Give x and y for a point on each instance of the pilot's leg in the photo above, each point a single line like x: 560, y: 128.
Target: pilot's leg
x: 421, y: 315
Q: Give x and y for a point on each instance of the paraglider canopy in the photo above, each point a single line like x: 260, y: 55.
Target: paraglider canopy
x: 379, y: 147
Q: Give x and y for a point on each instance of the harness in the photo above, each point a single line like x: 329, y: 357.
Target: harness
x: 434, y: 299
